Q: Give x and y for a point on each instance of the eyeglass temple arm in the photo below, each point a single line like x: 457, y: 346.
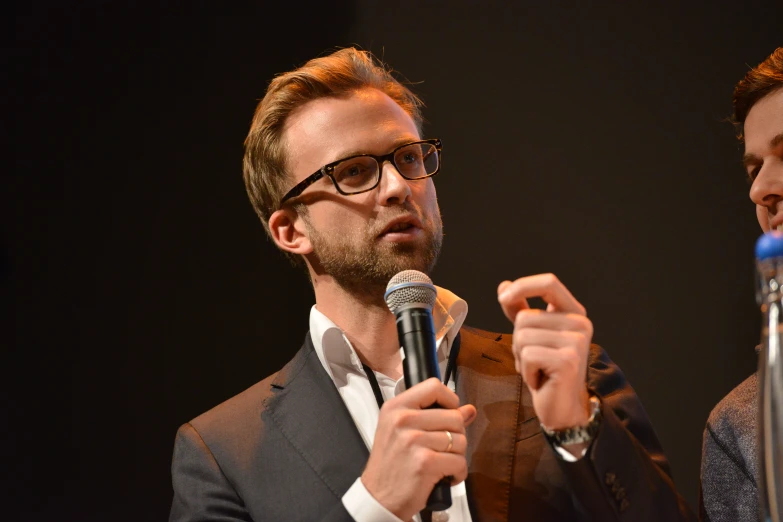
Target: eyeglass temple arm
x: 298, y: 189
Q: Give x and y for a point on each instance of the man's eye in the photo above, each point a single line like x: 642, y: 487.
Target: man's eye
x: 355, y: 171
x: 351, y: 172
x: 410, y: 157
x: 753, y: 173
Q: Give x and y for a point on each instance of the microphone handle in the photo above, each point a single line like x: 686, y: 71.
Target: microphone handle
x: 417, y: 337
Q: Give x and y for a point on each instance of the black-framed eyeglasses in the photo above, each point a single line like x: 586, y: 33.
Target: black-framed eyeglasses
x: 362, y: 173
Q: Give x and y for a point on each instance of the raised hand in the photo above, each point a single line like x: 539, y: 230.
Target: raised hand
x: 550, y: 348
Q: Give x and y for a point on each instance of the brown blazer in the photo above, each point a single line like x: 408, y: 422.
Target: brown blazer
x: 286, y: 449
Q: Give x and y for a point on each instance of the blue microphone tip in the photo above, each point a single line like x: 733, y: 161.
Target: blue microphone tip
x: 769, y: 245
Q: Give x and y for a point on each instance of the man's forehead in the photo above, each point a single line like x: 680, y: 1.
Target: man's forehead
x: 328, y: 114
x: 764, y: 123
x: 331, y: 128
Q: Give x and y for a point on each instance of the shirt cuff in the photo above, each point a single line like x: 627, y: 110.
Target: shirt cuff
x: 363, y: 507
x: 567, y: 455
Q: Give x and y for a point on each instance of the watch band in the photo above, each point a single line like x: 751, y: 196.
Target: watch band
x: 577, y: 434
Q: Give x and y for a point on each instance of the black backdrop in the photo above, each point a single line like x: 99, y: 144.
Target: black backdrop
x: 139, y: 289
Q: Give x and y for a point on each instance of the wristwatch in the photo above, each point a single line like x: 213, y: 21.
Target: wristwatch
x: 577, y: 434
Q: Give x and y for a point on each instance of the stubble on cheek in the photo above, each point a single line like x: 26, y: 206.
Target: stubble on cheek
x: 362, y: 262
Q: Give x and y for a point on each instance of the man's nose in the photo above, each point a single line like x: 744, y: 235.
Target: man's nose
x: 767, y: 188
x: 394, y: 188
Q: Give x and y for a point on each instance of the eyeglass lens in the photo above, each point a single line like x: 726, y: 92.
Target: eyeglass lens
x: 414, y: 161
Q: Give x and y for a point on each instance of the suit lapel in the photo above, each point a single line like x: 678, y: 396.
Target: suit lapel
x: 311, y: 414
x: 487, y: 379
x: 308, y: 410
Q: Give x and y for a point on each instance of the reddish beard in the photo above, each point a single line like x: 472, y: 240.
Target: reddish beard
x: 365, y: 265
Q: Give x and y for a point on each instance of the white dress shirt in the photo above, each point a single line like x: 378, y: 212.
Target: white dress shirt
x: 341, y: 362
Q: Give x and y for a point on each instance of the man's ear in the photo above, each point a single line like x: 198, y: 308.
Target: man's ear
x: 289, y: 233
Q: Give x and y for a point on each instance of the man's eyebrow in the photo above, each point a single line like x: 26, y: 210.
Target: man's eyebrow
x: 396, y: 143
x: 752, y: 159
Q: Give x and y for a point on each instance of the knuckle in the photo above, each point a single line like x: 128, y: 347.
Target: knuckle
x: 429, y: 384
x: 460, y: 444
x: 525, y: 317
x: 387, y: 408
x: 523, y: 336
x: 583, y: 323
x: 517, y: 343
x: 583, y: 343
x: 519, y: 319
x: 423, y: 461
x: 570, y: 357
x: 403, y: 418
x: 523, y: 355
x: 551, y: 279
x: 462, y: 472
x: 588, y: 327
x: 410, y: 438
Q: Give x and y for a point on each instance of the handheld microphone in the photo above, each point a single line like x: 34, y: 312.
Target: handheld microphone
x: 410, y: 296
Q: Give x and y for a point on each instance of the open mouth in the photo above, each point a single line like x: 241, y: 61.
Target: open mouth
x: 401, y: 228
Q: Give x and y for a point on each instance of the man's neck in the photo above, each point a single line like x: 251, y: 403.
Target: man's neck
x: 366, y: 322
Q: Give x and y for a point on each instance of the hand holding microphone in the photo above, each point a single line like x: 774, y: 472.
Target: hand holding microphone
x: 419, y: 450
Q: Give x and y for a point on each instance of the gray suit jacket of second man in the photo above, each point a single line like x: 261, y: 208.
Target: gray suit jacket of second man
x: 287, y: 449
x: 729, y: 462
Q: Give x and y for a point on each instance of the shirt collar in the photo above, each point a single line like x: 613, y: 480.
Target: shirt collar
x: 335, y: 350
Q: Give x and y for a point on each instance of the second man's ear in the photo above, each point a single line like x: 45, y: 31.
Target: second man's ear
x: 289, y: 232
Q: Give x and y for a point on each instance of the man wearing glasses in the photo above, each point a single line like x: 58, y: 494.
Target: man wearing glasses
x: 538, y: 425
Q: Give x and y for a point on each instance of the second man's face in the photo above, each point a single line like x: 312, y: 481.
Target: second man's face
x: 763, y: 159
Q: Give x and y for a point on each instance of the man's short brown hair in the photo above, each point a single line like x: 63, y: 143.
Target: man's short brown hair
x: 336, y: 75
x: 760, y: 81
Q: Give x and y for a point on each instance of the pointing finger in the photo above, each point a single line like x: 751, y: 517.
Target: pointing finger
x: 546, y: 286
x: 510, y: 308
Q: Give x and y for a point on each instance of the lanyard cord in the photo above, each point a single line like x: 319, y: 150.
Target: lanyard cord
x: 450, y: 365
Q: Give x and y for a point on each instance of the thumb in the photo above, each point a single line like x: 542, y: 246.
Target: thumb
x: 469, y: 413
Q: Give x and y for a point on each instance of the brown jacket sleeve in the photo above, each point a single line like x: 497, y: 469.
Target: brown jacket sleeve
x: 625, y: 475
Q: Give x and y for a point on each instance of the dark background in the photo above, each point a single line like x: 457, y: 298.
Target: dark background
x: 139, y: 289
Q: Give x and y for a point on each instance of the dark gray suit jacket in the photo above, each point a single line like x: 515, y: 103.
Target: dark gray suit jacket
x: 287, y: 449
x: 729, y: 463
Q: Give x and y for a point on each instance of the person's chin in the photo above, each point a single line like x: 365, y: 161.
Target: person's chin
x: 414, y: 260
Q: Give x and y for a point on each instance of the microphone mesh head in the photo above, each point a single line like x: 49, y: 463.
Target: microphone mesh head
x: 409, y: 287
